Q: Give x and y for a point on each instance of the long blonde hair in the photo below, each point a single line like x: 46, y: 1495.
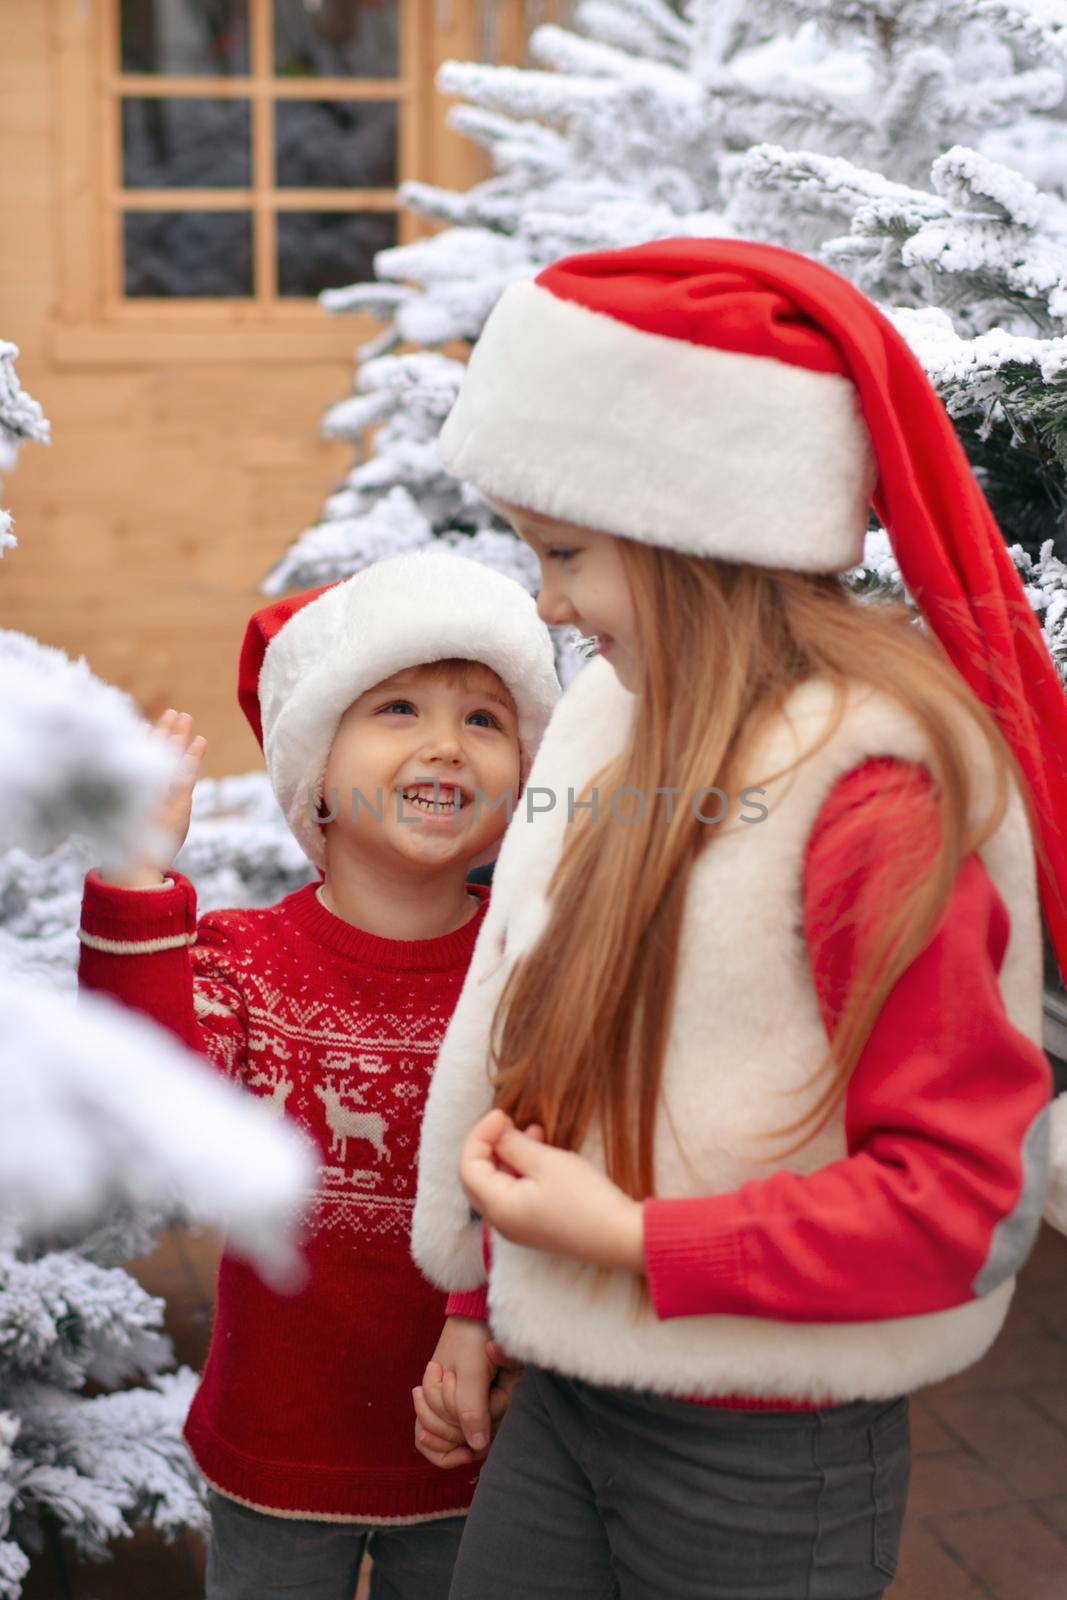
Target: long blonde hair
x: 579, y: 1034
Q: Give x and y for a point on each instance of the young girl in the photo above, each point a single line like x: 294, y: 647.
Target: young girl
x: 768, y: 819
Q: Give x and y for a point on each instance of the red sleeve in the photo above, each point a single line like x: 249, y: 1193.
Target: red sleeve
x: 469, y: 1303
x: 932, y: 1206
x: 145, y: 948
x: 474, y: 1302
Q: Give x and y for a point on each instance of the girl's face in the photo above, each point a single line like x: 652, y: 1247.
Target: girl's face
x: 395, y: 740
x: 583, y: 583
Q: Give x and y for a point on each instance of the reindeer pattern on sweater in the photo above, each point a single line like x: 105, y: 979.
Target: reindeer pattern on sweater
x: 344, y: 1049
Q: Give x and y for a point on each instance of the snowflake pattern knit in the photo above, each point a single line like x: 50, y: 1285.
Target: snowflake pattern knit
x: 304, y: 1408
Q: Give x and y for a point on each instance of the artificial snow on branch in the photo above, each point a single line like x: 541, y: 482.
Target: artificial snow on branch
x: 872, y: 132
x: 74, y: 755
x: 1041, y: 23
x: 21, y: 419
x: 114, y: 1111
x: 108, y: 1126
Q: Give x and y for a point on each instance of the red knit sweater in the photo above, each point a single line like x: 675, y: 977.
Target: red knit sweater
x: 304, y: 1407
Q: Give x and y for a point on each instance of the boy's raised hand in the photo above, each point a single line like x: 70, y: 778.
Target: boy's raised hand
x: 172, y: 814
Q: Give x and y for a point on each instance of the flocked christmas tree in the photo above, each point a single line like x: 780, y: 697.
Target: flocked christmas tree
x: 734, y: 118
x: 967, y: 240
x: 107, y: 1127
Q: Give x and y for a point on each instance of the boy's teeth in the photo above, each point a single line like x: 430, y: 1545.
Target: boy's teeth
x: 453, y: 803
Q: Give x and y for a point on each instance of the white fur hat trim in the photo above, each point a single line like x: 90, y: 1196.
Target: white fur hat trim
x: 579, y: 416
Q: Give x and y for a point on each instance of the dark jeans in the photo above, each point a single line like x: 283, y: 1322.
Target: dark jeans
x: 592, y: 1493
x: 254, y: 1556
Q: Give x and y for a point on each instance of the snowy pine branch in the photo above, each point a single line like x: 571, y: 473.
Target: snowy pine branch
x: 492, y: 206
x: 99, y: 1466
x: 971, y: 182
x: 719, y: 30
x: 339, y: 546
x: 564, y: 52
x: 527, y: 147
x: 1044, y: 580
x: 518, y: 92
x: 75, y: 756
x: 379, y: 299
x: 21, y: 417
x: 128, y: 1117
x: 782, y: 111
x: 836, y: 187
x: 640, y: 27
x: 1040, y: 24
x: 1004, y: 99
x: 983, y: 237
x: 67, y: 1319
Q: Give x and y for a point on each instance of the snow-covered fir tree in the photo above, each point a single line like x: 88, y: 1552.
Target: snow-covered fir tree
x: 745, y: 119
x: 966, y: 246
x: 890, y: 85
x: 107, y: 1125
x: 21, y: 419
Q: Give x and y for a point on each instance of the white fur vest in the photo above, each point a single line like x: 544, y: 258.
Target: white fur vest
x: 746, y: 1029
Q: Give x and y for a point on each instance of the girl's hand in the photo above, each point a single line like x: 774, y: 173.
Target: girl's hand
x: 508, y: 1373
x: 549, y: 1199
x: 463, y: 1396
x: 174, y: 810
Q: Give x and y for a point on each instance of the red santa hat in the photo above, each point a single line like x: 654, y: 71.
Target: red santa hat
x: 306, y: 658
x: 738, y: 400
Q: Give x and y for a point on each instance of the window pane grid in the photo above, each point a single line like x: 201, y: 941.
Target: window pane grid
x: 151, y: 188
x: 270, y: 88
x: 247, y: 199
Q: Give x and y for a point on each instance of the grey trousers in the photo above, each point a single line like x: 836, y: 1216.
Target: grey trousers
x: 254, y: 1556
x: 592, y: 1493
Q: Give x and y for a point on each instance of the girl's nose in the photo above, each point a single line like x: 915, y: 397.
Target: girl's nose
x: 553, y: 609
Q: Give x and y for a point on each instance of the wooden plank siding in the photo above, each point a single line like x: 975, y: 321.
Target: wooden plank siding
x: 185, y: 455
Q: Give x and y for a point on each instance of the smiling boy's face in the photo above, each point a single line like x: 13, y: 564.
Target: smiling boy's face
x: 453, y: 722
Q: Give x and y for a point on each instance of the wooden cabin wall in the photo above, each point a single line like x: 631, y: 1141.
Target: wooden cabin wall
x: 176, y: 477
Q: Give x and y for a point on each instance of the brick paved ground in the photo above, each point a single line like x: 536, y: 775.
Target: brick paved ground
x: 987, y: 1513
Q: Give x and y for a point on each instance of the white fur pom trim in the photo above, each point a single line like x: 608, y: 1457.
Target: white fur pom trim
x: 1056, y: 1199
x: 446, y: 1241
x: 580, y: 416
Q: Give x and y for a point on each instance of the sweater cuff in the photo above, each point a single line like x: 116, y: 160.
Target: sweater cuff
x: 693, y: 1256
x: 123, y: 921
x: 469, y: 1303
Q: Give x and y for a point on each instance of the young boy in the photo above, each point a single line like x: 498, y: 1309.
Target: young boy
x: 423, y: 670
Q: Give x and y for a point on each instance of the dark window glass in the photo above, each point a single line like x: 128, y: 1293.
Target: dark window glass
x: 323, y: 249
x: 336, y: 144
x: 177, y: 253
x: 336, y: 39
x: 196, y: 38
x: 186, y: 144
